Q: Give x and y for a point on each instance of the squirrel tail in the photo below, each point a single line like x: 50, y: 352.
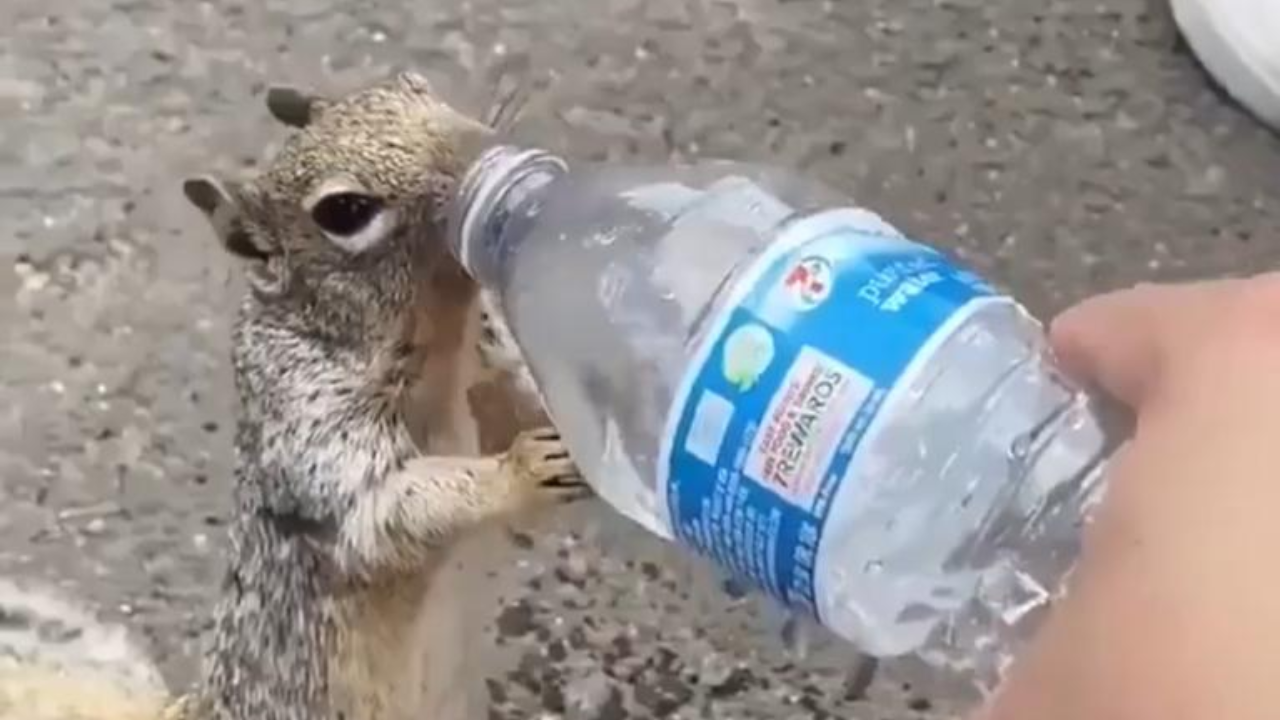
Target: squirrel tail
x: 59, y: 662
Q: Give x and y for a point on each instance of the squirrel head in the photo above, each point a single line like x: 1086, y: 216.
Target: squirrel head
x: 342, y: 234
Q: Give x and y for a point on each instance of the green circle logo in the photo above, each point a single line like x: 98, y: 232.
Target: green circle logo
x: 747, y: 354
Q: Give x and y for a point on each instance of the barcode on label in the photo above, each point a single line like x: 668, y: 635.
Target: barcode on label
x: 710, y: 422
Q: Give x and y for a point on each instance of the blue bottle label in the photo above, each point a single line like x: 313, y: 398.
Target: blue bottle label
x: 787, y: 382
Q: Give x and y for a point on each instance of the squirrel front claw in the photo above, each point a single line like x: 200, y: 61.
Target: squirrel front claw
x: 540, y: 467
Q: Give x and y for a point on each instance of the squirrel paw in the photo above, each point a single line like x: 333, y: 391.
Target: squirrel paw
x: 540, y: 467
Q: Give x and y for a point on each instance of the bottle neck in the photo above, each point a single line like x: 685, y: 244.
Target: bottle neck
x: 497, y: 199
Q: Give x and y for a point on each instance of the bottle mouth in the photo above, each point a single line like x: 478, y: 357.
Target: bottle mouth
x: 473, y: 214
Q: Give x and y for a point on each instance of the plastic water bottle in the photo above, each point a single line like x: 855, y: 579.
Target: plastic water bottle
x: 744, y: 363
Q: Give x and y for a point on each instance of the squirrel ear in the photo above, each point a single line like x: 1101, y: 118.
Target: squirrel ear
x: 294, y: 107
x: 225, y: 214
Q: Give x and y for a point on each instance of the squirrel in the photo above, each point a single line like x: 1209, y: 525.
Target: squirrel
x: 359, y: 468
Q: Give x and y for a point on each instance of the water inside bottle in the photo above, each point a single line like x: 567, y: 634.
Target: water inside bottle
x: 653, y: 272
x: 959, y: 521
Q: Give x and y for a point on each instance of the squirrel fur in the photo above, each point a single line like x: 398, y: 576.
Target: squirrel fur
x: 357, y: 353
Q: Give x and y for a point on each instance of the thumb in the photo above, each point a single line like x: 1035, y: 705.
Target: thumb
x: 1122, y: 342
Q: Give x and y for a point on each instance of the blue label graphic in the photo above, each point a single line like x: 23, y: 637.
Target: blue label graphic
x: 793, y: 372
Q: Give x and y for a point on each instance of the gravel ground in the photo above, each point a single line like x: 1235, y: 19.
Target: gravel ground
x: 1063, y: 147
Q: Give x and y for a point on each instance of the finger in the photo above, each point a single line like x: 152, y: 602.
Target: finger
x: 557, y: 468
x: 1123, y: 341
x: 572, y: 482
x: 546, y: 433
x: 556, y: 452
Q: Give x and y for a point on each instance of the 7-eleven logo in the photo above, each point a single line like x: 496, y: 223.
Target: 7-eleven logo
x: 809, y: 281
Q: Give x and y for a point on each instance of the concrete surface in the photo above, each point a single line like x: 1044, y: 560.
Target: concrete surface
x: 1061, y: 146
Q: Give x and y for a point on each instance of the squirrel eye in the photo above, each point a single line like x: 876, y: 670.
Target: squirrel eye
x: 346, y: 213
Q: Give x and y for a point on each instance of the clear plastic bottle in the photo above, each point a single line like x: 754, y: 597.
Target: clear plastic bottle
x: 745, y: 364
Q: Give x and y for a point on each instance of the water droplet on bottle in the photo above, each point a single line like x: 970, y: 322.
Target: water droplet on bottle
x: 1020, y: 448
x: 797, y: 637
x: 873, y: 567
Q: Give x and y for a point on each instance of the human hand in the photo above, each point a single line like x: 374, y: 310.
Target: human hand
x: 1174, y: 610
